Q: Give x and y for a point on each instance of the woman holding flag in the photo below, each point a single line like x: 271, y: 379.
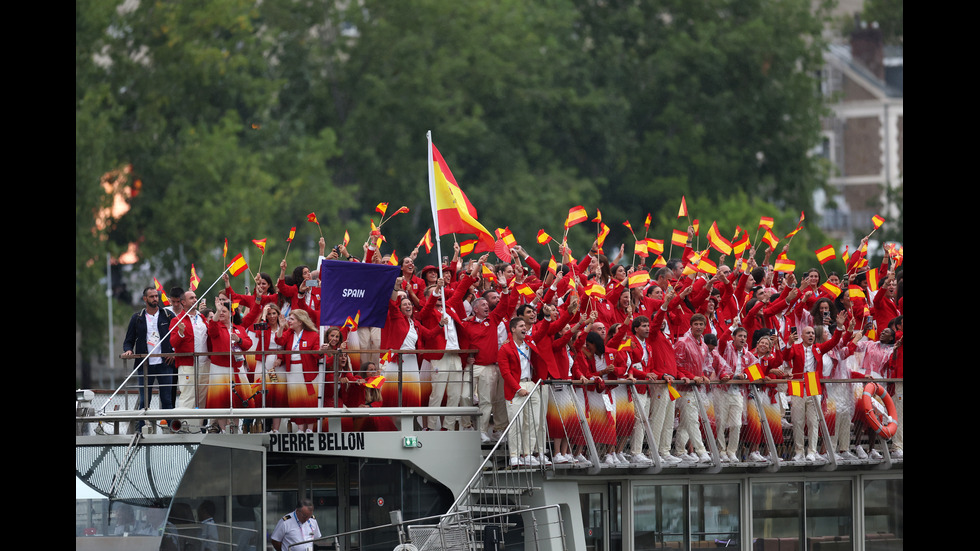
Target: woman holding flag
x: 301, y: 369
x: 227, y: 342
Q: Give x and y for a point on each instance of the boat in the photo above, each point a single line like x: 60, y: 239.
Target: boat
x: 414, y: 489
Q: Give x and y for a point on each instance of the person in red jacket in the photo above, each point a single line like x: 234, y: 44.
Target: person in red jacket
x: 638, y: 358
x: 189, y: 333
x: 301, y: 369
x: 227, y: 342
x: 692, y: 357
x: 518, y: 359
x: 804, y: 357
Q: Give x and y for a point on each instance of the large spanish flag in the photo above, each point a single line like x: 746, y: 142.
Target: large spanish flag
x: 451, y: 210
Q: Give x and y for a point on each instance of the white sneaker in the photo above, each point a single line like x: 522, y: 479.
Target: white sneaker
x: 532, y: 461
x: 514, y: 462
x: 582, y: 459
x: 610, y: 460
x: 622, y: 458
x: 640, y: 458
x: 756, y: 456
x: 484, y: 438
x: 875, y: 454
x: 897, y: 454
x: 799, y: 458
x: 671, y: 459
x: 560, y: 458
x: 724, y: 457
x: 861, y: 454
x: 822, y: 459
x: 543, y: 459
x: 848, y: 456
x: 704, y: 458
x: 733, y: 458
x: 811, y: 457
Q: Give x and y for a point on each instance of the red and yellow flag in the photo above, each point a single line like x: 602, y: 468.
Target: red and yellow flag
x: 505, y: 235
x: 466, y: 247
x: 655, y: 246
x: 455, y: 213
x: 678, y: 238
x: 576, y: 215
x: 766, y: 222
x: 525, y: 289
x: 237, y: 265
x: 718, y: 241
x: 831, y: 289
x: 625, y: 344
x: 260, y: 243
x: 596, y: 289
x: 640, y: 248
x: 754, y: 372
x: 672, y: 392
x: 795, y: 388
x: 660, y: 262
x: 488, y: 273
x: 646, y: 223
x: 195, y: 281
x: 347, y: 239
x: 706, y: 266
x: 553, y: 266
x: 224, y: 252
x: 312, y: 218
x: 393, y: 259
x: 164, y: 300
x: 784, y: 265
x: 638, y: 279
x: 292, y: 234
x: 826, y: 253
x: 811, y: 384
x: 682, y: 212
x: 769, y: 239
x: 426, y: 241
x: 877, y: 220
x: 739, y: 246
x: 872, y: 280
x: 543, y: 237
x: 381, y: 208
x: 603, y: 232
x: 855, y: 291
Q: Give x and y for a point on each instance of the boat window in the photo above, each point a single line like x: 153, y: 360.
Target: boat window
x: 818, y: 512
x: 883, y: 515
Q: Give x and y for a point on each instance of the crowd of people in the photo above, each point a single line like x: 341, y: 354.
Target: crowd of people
x: 612, y: 345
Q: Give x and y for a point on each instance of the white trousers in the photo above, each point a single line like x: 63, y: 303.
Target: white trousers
x: 804, y: 410
x: 689, y: 426
x: 490, y: 389
x: 447, y: 381
x: 661, y: 416
x: 522, y: 438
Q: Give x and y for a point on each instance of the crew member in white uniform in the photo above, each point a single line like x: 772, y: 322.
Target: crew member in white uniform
x: 300, y: 525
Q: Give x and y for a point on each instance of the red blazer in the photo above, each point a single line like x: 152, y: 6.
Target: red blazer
x: 795, y: 355
x: 510, y: 366
x: 183, y: 344
x: 221, y: 343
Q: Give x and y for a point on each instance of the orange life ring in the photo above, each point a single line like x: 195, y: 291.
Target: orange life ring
x: 884, y: 425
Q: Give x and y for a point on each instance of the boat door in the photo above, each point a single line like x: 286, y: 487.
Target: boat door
x: 602, y: 515
x: 325, y: 480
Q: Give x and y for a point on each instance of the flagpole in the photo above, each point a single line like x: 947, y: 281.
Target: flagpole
x: 435, y: 224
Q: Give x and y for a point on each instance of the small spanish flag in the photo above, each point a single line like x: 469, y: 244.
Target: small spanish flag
x: 655, y: 246
x: 292, y: 234
x: 872, y: 280
x: 375, y: 382
x: 505, y: 235
x: 553, y: 266
x: 877, y: 220
x: 766, y: 222
x: 678, y: 238
x: 659, y: 262
x: 393, y: 260
x: 626, y: 344
x: 718, y: 241
x: 741, y: 244
x: 382, y: 207
x: 596, y: 289
x: 598, y: 216
x: 466, y: 247
x: 754, y: 372
x: 855, y: 291
x: 826, y: 253
x: 769, y: 239
x: 630, y: 228
x: 794, y: 232
x: 312, y: 218
x: 640, y: 248
x: 163, y: 296
x: 831, y: 289
x: 603, y: 232
x: 784, y: 265
x: 576, y: 215
x: 347, y: 238
x: 543, y: 237
x: 525, y: 289
x: 426, y: 241
x: 195, y: 281
x: 237, y: 265
x: 260, y: 243
x: 811, y: 384
x: 682, y: 212
x: 795, y: 388
x: 706, y: 266
x: 638, y: 279
x: 672, y: 392
x: 488, y: 273
x: 646, y: 223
